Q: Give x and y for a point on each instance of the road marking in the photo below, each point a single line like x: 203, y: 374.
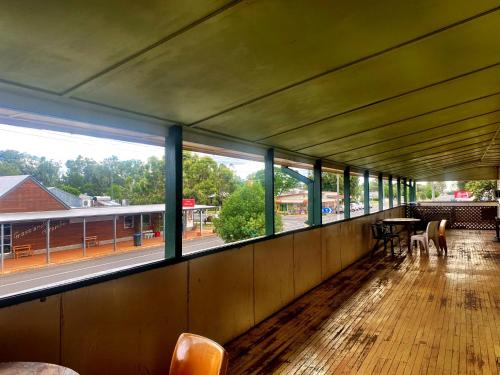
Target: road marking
x: 80, y: 269
x: 152, y: 253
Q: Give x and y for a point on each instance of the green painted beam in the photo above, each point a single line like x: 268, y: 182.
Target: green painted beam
x: 317, y: 196
x: 269, y: 192
x: 347, y: 192
x: 173, y: 193
x: 366, y: 192
x: 391, y: 192
x: 296, y: 175
x: 380, y: 191
x: 405, y: 190
x: 398, y: 188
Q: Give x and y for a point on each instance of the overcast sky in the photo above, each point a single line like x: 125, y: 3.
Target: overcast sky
x: 63, y: 146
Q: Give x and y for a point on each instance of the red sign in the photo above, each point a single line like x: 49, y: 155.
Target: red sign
x: 189, y: 202
x: 462, y: 194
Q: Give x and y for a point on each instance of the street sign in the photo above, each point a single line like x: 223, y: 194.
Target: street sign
x: 326, y: 210
x: 188, y: 203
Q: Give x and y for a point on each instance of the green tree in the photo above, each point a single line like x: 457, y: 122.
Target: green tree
x: 13, y: 163
x: 282, y: 181
x: 207, y: 181
x: 242, y: 214
x: 70, y: 189
x: 329, y: 183
x: 48, y: 172
x: 424, y: 190
x: 482, y: 190
x: 148, y: 187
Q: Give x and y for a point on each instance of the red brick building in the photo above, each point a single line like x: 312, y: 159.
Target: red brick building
x: 24, y: 194
x: 27, y: 208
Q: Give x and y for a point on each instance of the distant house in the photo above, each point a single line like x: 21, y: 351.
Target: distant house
x: 26, y: 207
x: 295, y: 202
x: 25, y: 194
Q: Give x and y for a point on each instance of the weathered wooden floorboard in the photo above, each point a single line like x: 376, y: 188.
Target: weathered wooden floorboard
x: 413, y: 314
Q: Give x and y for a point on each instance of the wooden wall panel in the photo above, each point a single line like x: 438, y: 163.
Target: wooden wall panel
x: 30, y: 331
x: 273, y: 276
x: 221, y: 299
x: 307, y: 260
x: 331, y: 249
x: 125, y: 326
x: 347, y: 255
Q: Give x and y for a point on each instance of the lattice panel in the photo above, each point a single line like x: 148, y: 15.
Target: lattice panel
x: 458, y: 217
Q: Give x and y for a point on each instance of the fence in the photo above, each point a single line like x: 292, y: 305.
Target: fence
x: 458, y: 216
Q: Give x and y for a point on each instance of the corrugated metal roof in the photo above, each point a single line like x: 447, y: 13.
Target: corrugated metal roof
x: 71, y: 200
x: 88, y: 212
x: 7, y: 183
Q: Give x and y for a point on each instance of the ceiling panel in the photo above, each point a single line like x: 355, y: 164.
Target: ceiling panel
x: 258, y: 47
x: 54, y: 45
x: 441, y: 122
x: 444, y: 157
x: 380, y: 147
x: 471, y: 173
x: 433, y: 145
x: 461, y: 49
x: 449, y: 94
x: 406, y: 161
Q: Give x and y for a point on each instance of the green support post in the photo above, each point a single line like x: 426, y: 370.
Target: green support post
x: 310, y: 191
x: 347, y: 192
x: 366, y: 188
x: 405, y: 191
x: 269, y: 191
x: 317, y: 195
x: 410, y: 192
x: 380, y: 192
x: 398, y: 187
x: 391, y: 192
x: 173, y: 192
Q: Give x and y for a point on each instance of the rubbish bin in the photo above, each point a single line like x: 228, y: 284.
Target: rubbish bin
x: 137, y: 239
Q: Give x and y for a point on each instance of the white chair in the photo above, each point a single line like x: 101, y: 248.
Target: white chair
x: 429, y: 234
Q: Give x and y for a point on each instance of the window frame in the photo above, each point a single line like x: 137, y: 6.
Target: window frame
x: 125, y: 226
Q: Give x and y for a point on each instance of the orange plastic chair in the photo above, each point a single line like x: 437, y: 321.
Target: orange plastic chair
x: 195, y: 355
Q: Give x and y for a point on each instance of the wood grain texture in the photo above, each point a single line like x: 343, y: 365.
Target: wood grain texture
x: 411, y: 314
x: 23, y: 368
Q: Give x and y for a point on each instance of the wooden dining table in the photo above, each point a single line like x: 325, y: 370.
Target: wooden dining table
x: 32, y: 368
x: 407, y: 222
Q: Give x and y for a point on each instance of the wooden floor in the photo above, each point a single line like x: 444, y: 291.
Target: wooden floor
x: 416, y: 314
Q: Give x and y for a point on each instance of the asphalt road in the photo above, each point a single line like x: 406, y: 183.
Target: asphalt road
x: 61, y: 273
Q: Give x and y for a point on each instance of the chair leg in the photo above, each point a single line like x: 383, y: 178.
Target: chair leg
x: 374, y: 249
